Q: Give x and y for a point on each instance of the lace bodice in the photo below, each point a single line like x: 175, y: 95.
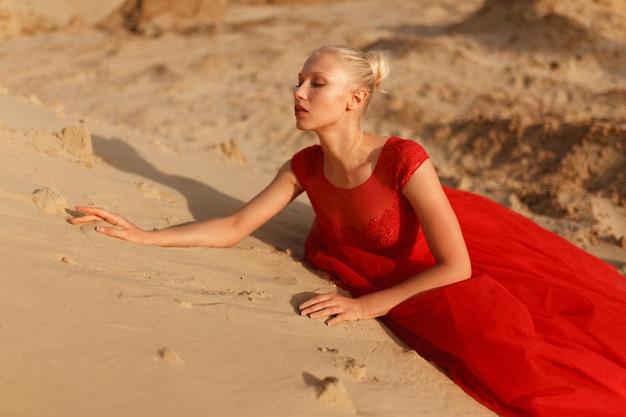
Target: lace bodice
x: 373, y: 217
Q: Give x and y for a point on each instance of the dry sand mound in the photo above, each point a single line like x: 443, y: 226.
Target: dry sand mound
x: 562, y: 28
x: 152, y: 17
x: 14, y: 23
x: 522, y: 101
x: 544, y: 161
x: 31, y: 17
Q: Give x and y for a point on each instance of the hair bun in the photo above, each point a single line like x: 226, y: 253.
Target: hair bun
x: 379, y: 61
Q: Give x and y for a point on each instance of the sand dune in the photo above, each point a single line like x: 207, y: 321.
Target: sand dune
x: 169, y: 118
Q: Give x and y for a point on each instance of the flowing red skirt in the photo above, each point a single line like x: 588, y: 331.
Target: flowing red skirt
x: 539, y: 329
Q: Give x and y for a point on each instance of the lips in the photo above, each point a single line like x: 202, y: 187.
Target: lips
x: 299, y: 110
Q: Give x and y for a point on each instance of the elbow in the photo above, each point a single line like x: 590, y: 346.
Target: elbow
x: 221, y: 241
x: 458, y: 270
x: 466, y: 270
x: 221, y: 233
x: 225, y: 243
x: 229, y: 238
x: 463, y: 268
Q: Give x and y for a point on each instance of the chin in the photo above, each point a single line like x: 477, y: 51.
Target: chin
x: 302, y: 127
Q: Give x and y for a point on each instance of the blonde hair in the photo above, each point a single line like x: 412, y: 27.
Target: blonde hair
x: 367, y: 69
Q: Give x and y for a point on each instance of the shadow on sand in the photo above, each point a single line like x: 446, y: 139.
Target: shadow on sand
x: 287, y: 230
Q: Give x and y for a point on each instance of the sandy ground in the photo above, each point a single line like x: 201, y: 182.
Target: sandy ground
x: 183, y: 111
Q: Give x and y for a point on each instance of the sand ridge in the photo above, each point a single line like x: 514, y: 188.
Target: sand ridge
x: 172, y: 120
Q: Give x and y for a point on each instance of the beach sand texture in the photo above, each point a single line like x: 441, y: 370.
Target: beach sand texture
x: 182, y: 110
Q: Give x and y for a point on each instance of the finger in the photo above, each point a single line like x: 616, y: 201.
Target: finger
x: 88, y: 209
x: 343, y: 317
x: 112, y: 218
x: 327, y: 312
x: 317, y: 307
x: 103, y: 214
x: 84, y: 219
x: 112, y: 231
x: 333, y: 321
x: 315, y: 300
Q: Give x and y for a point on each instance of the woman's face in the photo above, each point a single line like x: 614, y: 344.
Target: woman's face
x: 323, y: 92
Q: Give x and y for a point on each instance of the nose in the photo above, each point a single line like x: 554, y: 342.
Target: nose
x: 298, y: 91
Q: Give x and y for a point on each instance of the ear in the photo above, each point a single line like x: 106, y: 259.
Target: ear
x: 357, y: 99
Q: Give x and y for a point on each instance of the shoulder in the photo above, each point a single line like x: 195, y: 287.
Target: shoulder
x: 405, y: 147
x: 404, y: 157
x: 303, y: 162
x: 308, y: 151
x: 304, y: 156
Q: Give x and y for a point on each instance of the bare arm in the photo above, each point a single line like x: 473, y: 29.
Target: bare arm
x: 218, y: 232
x: 445, y: 240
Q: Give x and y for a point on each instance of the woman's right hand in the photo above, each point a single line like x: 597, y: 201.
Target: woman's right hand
x: 123, y: 229
x: 219, y: 232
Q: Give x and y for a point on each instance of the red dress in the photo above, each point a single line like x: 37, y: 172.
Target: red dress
x: 539, y: 329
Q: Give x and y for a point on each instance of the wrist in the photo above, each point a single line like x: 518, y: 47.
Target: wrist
x: 371, y: 306
x: 145, y: 237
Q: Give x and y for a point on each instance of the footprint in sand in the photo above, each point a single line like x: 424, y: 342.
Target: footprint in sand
x: 50, y: 201
x: 169, y: 356
x: 333, y: 392
x: 77, y: 141
x: 148, y: 190
x: 68, y: 260
x: 183, y: 303
x: 356, y: 370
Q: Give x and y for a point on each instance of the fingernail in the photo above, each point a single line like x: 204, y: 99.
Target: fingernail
x: 100, y: 229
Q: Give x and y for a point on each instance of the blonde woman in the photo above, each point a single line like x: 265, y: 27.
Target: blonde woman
x: 532, y: 326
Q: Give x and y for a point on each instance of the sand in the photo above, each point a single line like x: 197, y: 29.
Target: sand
x: 183, y: 110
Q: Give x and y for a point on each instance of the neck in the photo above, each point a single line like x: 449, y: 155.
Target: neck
x: 343, y: 148
x: 349, y: 158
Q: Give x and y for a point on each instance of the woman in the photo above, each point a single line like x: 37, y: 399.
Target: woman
x: 533, y: 326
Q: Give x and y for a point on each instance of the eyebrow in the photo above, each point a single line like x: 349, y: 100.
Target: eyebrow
x: 312, y: 73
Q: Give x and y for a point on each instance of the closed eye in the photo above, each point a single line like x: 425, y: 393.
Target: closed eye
x: 314, y: 85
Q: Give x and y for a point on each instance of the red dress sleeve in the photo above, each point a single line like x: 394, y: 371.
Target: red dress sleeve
x: 405, y: 157
x: 302, y: 163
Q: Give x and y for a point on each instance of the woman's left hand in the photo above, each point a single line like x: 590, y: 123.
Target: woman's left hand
x: 336, y: 306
